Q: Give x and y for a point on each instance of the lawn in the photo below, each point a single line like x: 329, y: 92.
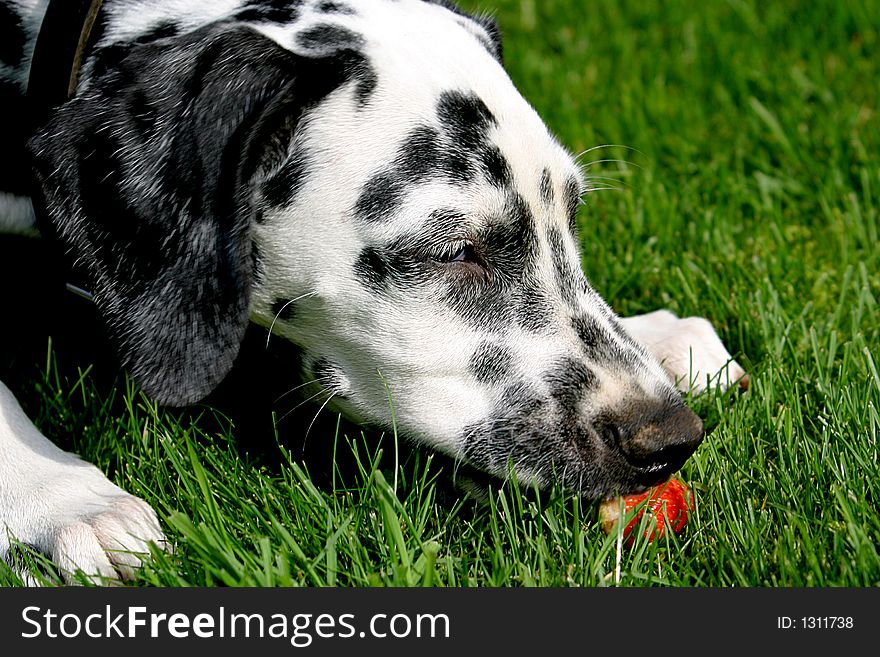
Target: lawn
x: 741, y: 140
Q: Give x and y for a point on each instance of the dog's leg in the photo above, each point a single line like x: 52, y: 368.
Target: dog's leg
x: 65, y: 507
x: 689, y: 349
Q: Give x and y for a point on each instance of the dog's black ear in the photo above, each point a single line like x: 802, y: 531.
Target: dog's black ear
x: 144, y: 180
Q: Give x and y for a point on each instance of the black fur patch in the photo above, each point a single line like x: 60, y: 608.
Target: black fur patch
x: 270, y: 11
x: 281, y: 189
x: 491, y: 363
x: 357, y: 67
x: 327, y: 37
x: 572, y: 201
x: 371, y: 269
x: 331, y: 7
x: 513, y: 434
x: 398, y: 267
x: 12, y: 37
x: 534, y: 312
x: 569, y: 382
x: 161, y: 30
x: 496, y: 166
x: 466, y: 118
x: 284, y: 309
x: 416, y: 161
x: 380, y: 197
x: 600, y: 346
x: 588, y: 332
x: 546, y: 187
x: 367, y: 82
x: 566, y: 281
x: 144, y: 111
x: 381, y: 268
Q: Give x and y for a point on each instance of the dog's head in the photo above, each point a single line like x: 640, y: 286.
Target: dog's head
x: 366, y: 182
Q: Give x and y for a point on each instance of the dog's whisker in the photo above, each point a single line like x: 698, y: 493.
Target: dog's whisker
x: 312, y: 423
x: 317, y: 380
x: 281, y: 310
x: 606, y: 179
x: 584, y: 166
x: 305, y: 401
x: 601, y: 146
x: 293, y: 410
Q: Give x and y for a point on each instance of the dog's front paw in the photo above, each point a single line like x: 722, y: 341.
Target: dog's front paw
x: 85, y: 523
x: 689, y: 350
x: 110, y: 544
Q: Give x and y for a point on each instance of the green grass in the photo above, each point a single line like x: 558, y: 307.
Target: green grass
x: 749, y: 188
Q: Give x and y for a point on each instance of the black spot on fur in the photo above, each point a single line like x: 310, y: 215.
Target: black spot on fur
x: 12, y: 37
x: 546, y: 188
x: 599, y: 345
x: 572, y: 201
x: 425, y: 156
x: 273, y: 11
x: 569, y: 381
x: 367, y: 83
x: 496, y: 166
x: 380, y: 197
x: 491, y: 363
x: 381, y: 268
x: 281, y: 189
x: 331, y: 7
x: 509, y: 435
x: 284, y: 310
x: 329, y: 37
x: 371, y: 268
x: 418, y: 159
x: 566, y: 281
x: 588, y: 331
x: 534, y: 311
x: 466, y: 118
x: 161, y: 30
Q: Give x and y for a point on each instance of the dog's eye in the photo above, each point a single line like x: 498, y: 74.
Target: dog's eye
x: 465, y: 253
x: 464, y: 258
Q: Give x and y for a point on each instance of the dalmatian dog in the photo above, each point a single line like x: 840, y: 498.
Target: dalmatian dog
x: 361, y: 178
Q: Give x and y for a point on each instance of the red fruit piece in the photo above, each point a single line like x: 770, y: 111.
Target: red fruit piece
x: 669, y: 501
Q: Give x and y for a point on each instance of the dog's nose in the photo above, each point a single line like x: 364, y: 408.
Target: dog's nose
x: 657, y: 438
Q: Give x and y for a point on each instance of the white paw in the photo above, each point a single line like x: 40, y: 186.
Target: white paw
x: 84, y: 522
x: 689, y: 350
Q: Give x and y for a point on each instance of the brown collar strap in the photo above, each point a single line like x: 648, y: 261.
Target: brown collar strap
x: 61, y: 45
